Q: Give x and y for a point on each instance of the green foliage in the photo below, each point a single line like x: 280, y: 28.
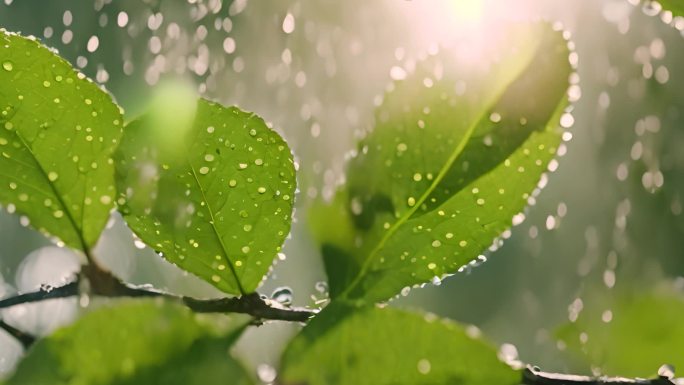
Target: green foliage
x: 57, y: 133
x: 220, y: 205
x: 674, y: 6
x: 377, y: 346
x: 456, y: 152
x: 644, y: 333
x: 134, y: 342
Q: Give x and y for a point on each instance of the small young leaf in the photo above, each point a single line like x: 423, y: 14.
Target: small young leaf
x: 136, y: 342
x: 57, y: 133
x: 218, y: 206
x: 455, y: 154
x: 376, y: 346
x: 632, y: 338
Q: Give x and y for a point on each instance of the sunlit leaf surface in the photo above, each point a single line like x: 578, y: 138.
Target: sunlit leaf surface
x: 135, y: 342
x: 218, y: 206
x: 57, y: 133
x: 389, y: 346
x: 457, y: 150
x: 632, y: 338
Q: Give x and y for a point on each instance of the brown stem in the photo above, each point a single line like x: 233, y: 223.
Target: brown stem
x: 100, y: 282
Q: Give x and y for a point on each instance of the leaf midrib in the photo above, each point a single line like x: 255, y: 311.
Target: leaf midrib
x: 55, y: 192
x: 214, y: 229
x: 443, y: 171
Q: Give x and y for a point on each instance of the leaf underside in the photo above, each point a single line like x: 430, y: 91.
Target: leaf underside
x: 456, y: 152
x: 388, y: 346
x: 134, y: 342
x: 219, y: 208
x: 57, y: 134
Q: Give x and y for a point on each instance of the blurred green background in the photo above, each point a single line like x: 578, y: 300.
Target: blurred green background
x: 607, y: 228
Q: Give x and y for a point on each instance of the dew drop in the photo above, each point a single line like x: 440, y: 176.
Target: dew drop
x: 245, y: 249
x: 261, y: 190
x: 666, y: 371
x: 266, y: 373
x: 215, y: 278
x: 321, y: 287
x: 7, y: 66
x: 424, y: 366
x: 282, y: 295
x: 232, y: 183
x: 52, y: 176
x: 204, y: 170
x: 436, y: 243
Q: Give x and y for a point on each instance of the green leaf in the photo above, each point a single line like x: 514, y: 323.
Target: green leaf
x: 218, y: 206
x: 456, y: 152
x: 136, y: 342
x: 57, y: 133
x: 377, y: 346
x: 643, y: 333
x: 674, y: 6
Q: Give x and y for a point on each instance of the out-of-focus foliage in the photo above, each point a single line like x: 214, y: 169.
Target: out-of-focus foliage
x: 370, y: 345
x: 647, y: 323
x: 135, y: 342
x: 57, y: 133
x: 218, y: 202
x: 456, y: 152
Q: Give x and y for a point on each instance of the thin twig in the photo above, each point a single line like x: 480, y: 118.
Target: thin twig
x: 45, y: 292
x: 252, y: 304
x: 534, y: 376
x: 103, y: 283
x: 24, y: 338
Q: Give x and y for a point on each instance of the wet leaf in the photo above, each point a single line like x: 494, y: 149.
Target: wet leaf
x: 388, y: 346
x: 135, y: 342
x: 642, y: 333
x: 674, y: 6
x: 457, y: 150
x: 218, y: 206
x: 57, y: 133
